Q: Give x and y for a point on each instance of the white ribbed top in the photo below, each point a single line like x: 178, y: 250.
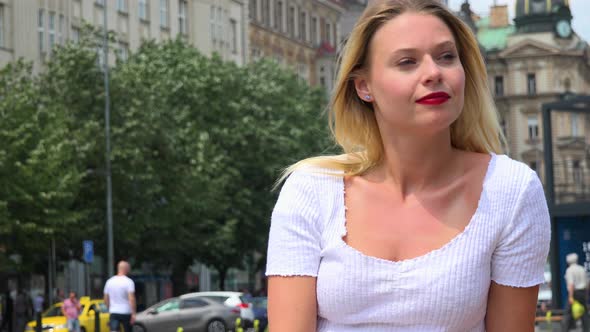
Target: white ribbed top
x: 507, y: 240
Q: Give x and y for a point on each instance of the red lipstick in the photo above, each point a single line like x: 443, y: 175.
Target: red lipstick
x: 435, y: 98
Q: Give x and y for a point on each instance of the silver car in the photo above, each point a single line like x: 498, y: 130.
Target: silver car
x: 191, y: 313
x: 233, y: 300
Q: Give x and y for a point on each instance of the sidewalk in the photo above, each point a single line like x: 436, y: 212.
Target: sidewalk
x: 556, y: 327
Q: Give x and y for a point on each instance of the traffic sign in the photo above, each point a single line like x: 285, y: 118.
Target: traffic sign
x: 88, y: 251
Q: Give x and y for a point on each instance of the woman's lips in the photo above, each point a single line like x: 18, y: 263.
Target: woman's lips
x: 435, y: 98
x: 433, y: 101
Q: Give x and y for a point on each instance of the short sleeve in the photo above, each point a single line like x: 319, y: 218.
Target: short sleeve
x: 294, y: 237
x: 521, y: 253
x: 106, y: 288
x: 569, y: 277
x: 131, y: 287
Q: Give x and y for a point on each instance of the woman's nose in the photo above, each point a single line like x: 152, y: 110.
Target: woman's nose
x: 432, y: 72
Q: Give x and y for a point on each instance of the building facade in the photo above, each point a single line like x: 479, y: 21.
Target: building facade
x: 303, y: 35
x: 538, y: 60
x: 45, y: 23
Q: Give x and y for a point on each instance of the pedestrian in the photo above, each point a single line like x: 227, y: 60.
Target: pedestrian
x: 38, y: 302
x: 7, y: 312
x: 71, y: 310
x: 420, y: 224
x: 576, y: 280
x: 119, y: 297
x: 21, y: 311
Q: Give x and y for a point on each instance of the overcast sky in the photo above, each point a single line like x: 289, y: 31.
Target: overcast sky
x: 580, y: 12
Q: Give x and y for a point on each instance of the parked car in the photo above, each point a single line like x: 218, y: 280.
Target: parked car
x: 192, y: 313
x: 234, y: 300
x: 53, y: 319
x: 260, y: 307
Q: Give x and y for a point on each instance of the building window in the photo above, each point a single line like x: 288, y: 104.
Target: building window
x: 143, y: 9
x: 75, y: 34
x: 303, y: 71
x: 314, y: 31
x: 220, y: 21
x: 60, y: 29
x: 533, y: 124
x: 41, y: 30
x: 574, y: 123
x: 577, y: 172
x: 122, y: 6
x: 334, y: 35
x: 164, y: 13
x: 279, y: 16
x: 327, y: 35
x: 123, y: 51
x: 504, y: 127
x: 266, y: 12
x: 255, y: 54
x: 99, y: 2
x: 253, y: 10
x: 499, y: 86
x: 51, y: 30
x: 234, y: 36
x: 2, y: 25
x: 212, y: 25
x: 302, y: 25
x: 291, y: 22
x: 182, y: 24
x: 531, y: 84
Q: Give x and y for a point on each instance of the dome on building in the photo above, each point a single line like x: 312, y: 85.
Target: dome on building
x: 535, y: 7
x: 540, y: 15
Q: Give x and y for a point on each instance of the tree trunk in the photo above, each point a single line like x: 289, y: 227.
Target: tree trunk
x: 179, y: 279
x: 222, y: 274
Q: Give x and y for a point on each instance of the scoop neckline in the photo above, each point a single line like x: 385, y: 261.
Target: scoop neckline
x: 447, y: 246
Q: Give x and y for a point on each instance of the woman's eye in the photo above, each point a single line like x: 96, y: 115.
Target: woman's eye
x: 407, y: 62
x: 448, y: 57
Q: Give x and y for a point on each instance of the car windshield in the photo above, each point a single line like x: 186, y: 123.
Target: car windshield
x: 53, y: 312
x: 172, y: 304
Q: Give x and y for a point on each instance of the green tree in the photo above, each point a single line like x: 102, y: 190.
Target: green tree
x: 39, y: 172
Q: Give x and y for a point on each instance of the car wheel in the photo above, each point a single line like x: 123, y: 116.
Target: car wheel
x: 138, y: 328
x: 216, y: 326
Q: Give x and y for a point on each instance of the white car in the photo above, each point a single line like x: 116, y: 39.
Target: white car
x: 233, y: 300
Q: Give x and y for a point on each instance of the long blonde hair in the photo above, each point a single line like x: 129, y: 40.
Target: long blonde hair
x: 352, y: 121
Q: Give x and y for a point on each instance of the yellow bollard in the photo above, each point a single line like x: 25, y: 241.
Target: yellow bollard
x: 239, y: 327
x: 548, y: 319
x: 256, y: 325
x: 179, y: 329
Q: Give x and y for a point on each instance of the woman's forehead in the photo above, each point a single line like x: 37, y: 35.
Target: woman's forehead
x: 412, y: 31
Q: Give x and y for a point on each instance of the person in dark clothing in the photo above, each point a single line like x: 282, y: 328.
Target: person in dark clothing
x: 7, y: 314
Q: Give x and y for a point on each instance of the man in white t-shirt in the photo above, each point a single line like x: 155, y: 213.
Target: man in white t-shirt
x: 119, y: 297
x: 577, y: 284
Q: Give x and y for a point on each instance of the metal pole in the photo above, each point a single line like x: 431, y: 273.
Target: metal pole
x: 50, y: 275
x: 107, y: 117
x: 53, y: 262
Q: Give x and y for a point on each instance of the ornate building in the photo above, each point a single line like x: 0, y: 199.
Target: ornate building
x: 300, y: 34
x: 539, y: 60
x: 210, y: 25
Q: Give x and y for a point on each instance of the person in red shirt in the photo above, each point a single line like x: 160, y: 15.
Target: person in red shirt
x: 71, y: 309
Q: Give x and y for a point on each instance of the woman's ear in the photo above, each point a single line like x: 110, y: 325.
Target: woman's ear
x: 362, y: 88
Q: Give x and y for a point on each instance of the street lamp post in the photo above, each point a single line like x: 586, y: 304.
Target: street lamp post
x: 107, y: 117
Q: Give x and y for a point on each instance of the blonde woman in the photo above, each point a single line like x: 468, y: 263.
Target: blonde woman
x: 420, y: 225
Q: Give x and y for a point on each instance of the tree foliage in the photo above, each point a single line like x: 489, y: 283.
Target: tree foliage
x: 197, y: 144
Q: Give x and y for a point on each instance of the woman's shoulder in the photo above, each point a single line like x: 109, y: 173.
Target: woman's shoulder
x: 509, y: 177
x: 312, y: 179
x: 508, y: 168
